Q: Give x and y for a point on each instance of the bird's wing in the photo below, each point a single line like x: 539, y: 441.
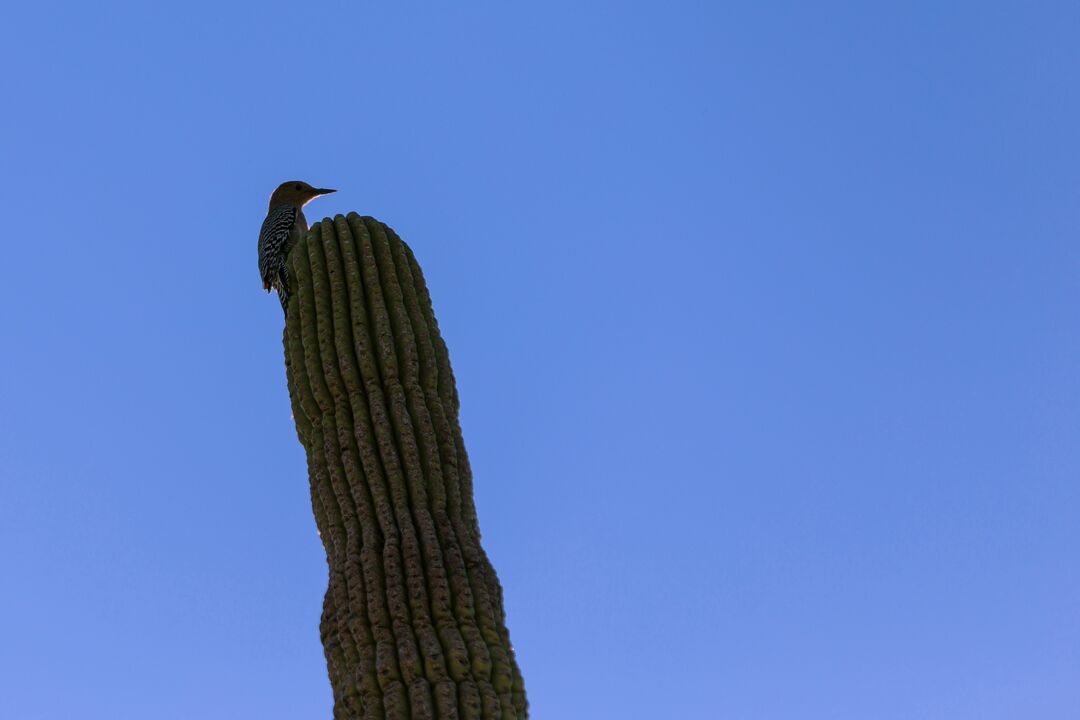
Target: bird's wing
x: 273, y: 241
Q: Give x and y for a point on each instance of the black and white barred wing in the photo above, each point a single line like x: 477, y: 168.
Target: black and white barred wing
x: 274, y: 245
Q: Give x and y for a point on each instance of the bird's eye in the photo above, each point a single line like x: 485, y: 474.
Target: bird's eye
x: 299, y: 187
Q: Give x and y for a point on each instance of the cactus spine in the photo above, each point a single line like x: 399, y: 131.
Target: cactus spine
x: 413, y: 623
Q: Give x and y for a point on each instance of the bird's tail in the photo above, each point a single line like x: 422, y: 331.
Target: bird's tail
x: 282, y: 287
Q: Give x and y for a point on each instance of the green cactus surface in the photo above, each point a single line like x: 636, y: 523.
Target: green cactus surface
x: 413, y: 624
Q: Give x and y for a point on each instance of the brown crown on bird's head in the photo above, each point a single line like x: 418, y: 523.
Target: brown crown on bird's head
x: 296, y: 192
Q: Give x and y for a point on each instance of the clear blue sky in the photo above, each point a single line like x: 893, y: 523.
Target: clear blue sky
x: 764, y: 318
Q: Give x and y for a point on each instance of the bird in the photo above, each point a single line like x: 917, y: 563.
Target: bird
x: 284, y: 225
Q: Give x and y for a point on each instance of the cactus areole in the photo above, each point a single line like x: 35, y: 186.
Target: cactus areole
x: 413, y: 623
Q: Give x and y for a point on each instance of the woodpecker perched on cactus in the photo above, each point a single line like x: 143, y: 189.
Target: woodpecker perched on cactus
x: 283, y: 226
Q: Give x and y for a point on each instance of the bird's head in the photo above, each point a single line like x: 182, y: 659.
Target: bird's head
x: 296, y: 192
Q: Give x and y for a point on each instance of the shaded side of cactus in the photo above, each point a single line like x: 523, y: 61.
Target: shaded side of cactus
x: 413, y: 624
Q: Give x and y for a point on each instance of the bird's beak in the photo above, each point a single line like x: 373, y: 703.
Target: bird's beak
x: 324, y: 191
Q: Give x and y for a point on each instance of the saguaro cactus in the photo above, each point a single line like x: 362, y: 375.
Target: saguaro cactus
x: 413, y: 623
